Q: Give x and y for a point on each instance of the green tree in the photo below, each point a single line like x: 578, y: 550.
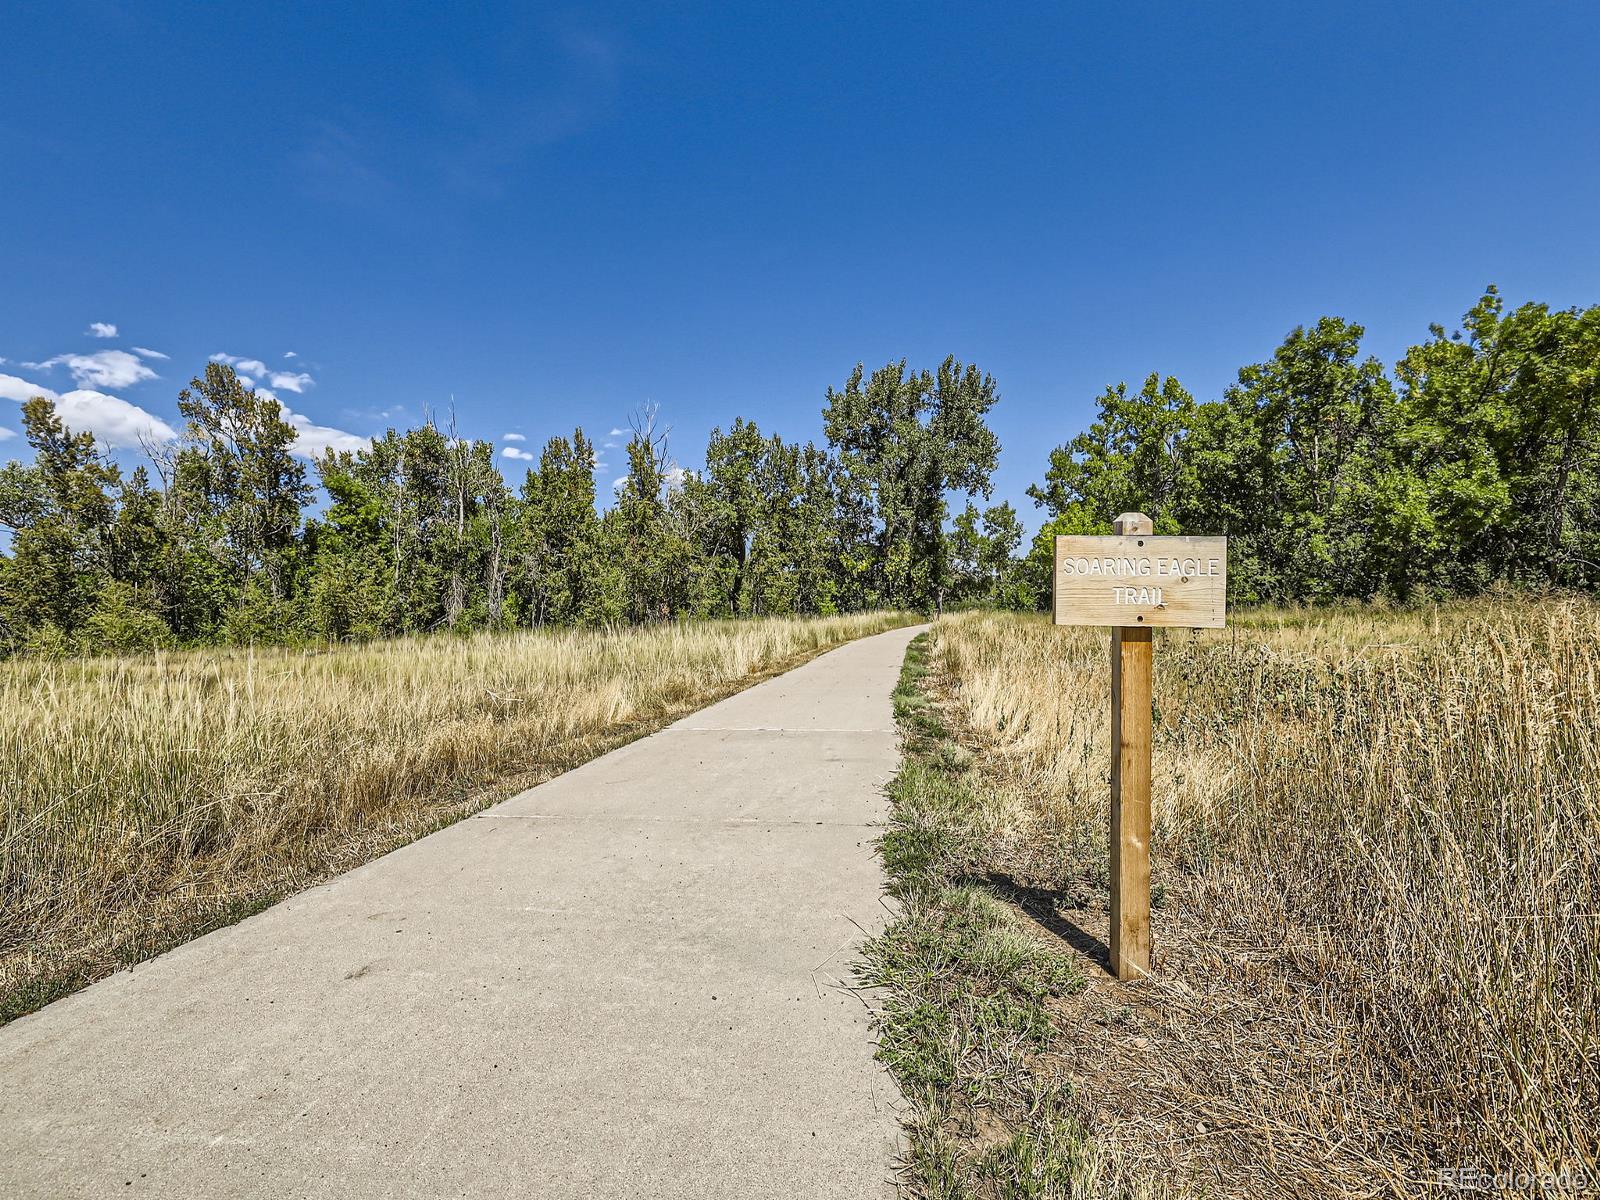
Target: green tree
x: 652, y: 555
x: 421, y: 533
x: 819, y: 531
x: 139, y: 541
x: 354, y: 576
x: 1131, y: 459
x: 794, y: 564
x: 965, y: 547
x: 554, y: 575
x: 239, y: 490
x: 905, y: 440
x: 737, y: 505
x: 1134, y: 457
x: 1500, y: 450
x: 1289, y: 466
x: 60, y: 512
x: 1005, y: 585
x: 983, y: 558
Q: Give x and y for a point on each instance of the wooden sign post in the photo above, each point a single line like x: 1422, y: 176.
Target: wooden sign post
x: 1134, y: 581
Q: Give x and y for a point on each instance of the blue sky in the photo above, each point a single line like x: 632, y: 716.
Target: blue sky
x: 556, y: 215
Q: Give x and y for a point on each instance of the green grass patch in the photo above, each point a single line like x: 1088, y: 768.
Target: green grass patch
x: 967, y: 982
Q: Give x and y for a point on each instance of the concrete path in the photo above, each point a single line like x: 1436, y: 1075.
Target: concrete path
x: 619, y: 984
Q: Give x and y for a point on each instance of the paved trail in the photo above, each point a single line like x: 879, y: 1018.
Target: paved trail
x: 621, y: 983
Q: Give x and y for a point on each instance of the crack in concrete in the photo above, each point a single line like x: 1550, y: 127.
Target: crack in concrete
x: 488, y: 816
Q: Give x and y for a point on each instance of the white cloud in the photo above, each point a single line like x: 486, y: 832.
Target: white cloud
x: 290, y: 354
x: 145, y: 352
x: 512, y: 437
x: 312, y: 440
x: 620, y: 482
x: 617, y: 433
x: 253, y: 369
x: 113, y: 421
x: 6, y: 433
x: 101, y: 329
x: 291, y: 383
x: 244, y: 366
x: 519, y: 455
x: 106, y: 369
x: 12, y: 388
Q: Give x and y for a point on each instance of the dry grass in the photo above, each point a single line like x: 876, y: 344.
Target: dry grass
x: 1378, y: 857
x: 145, y: 799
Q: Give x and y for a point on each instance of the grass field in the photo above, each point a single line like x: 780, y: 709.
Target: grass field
x: 1376, y: 863
x: 144, y: 800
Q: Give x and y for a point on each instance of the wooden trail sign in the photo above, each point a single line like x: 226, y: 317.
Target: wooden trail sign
x: 1134, y: 581
x: 1137, y: 580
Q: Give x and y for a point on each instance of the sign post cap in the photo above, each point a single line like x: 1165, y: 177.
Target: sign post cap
x: 1133, y: 522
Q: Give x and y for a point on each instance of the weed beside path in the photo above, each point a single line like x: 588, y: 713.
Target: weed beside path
x: 967, y: 987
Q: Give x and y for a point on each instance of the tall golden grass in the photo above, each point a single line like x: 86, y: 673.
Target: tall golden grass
x: 1396, y: 816
x: 143, y: 799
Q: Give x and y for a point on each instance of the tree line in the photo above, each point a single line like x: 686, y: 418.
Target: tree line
x: 1475, y: 461
x: 222, y: 537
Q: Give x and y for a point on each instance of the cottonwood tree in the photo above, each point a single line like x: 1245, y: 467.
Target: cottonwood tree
x: 997, y: 558
x: 795, y: 559
x: 984, y: 568
x: 1288, y: 463
x: 60, y: 511
x: 904, y: 440
x: 1133, y: 457
x: 1480, y: 462
x: 419, y: 535
x: 1130, y: 459
x: 735, y: 503
x: 238, y: 494
x: 358, y: 549
x: 1499, y: 471
x: 554, y: 576
x: 762, y: 520
x: 652, y: 555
